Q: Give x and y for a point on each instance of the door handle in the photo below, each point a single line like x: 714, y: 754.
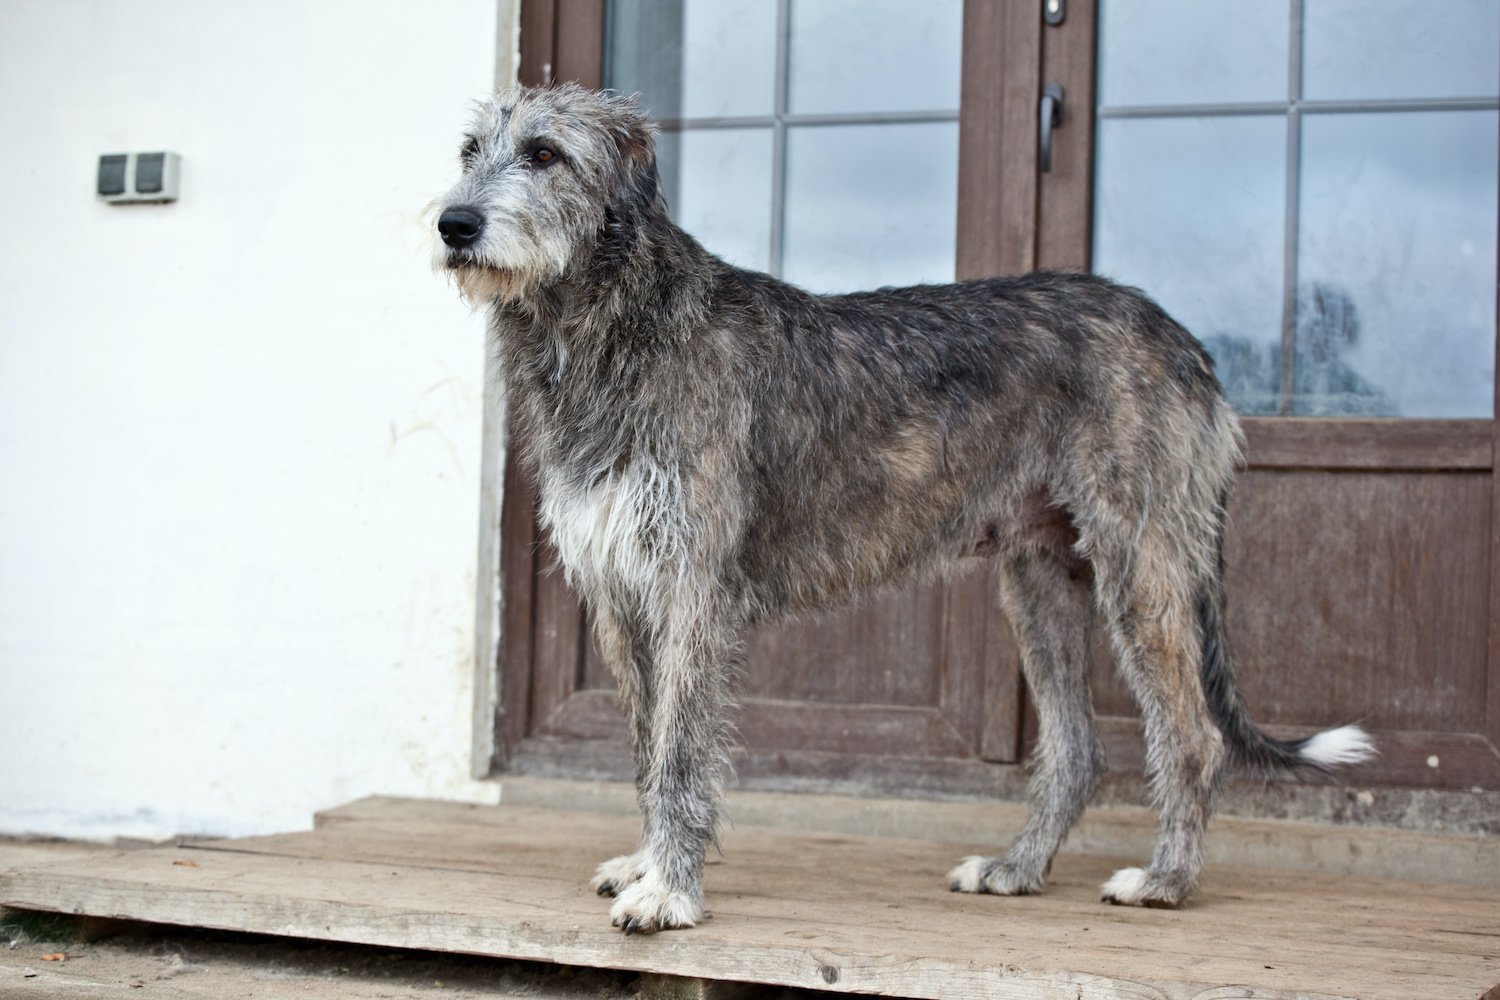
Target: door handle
x: 1051, y: 116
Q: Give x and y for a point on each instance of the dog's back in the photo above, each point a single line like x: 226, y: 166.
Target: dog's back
x: 899, y: 430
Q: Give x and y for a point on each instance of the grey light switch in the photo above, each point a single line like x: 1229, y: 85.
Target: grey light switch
x: 139, y: 177
x: 148, y: 172
x: 112, y: 173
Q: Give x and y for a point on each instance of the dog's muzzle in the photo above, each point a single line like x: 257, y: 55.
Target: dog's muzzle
x: 460, y: 228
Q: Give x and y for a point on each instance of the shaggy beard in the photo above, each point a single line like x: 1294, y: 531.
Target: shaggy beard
x: 479, y: 284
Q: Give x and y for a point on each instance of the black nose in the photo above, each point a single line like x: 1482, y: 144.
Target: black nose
x: 460, y: 227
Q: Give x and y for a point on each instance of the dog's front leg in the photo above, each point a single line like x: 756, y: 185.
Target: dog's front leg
x: 622, y: 639
x: 682, y: 786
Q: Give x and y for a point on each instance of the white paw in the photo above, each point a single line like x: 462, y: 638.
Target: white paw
x: 969, y: 875
x: 1126, y: 886
x: 615, y: 874
x: 647, y: 906
x: 1134, y: 887
x: 980, y: 874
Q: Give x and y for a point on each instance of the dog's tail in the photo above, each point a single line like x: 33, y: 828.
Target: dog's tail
x: 1247, y: 745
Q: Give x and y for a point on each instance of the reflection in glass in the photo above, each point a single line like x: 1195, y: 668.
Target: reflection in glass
x: 1398, y: 215
x: 694, y: 58
x: 1324, y: 382
x: 1400, y: 48
x: 850, y: 225
x: 874, y: 56
x: 1192, y: 51
x: 718, y: 187
x: 1193, y: 211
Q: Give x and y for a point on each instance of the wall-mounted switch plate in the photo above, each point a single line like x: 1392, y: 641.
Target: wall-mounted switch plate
x: 134, y: 177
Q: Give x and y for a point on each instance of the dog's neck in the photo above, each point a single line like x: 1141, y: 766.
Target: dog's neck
x: 642, y: 284
x: 576, y: 353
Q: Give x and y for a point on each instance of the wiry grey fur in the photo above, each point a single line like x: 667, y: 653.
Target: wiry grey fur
x: 714, y: 448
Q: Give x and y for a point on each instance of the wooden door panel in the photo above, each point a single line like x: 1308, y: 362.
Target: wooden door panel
x: 1358, y: 596
x: 888, y: 652
x: 924, y: 671
x: 1369, y: 590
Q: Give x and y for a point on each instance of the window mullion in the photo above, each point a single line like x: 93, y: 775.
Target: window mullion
x: 778, y: 136
x: 1287, y: 390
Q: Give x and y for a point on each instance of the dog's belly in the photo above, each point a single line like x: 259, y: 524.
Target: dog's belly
x: 1037, y: 521
x: 844, y: 563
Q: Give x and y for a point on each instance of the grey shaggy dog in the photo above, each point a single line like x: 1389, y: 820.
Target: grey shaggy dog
x: 715, y: 448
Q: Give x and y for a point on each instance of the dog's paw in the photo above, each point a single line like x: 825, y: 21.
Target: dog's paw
x: 980, y: 874
x: 611, y: 877
x: 647, y: 906
x: 1139, y: 887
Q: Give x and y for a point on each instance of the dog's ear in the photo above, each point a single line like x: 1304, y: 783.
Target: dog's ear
x: 635, y: 138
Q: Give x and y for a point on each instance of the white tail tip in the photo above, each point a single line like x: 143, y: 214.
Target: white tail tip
x: 1337, y: 747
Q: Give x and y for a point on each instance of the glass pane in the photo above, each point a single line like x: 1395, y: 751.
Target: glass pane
x: 1192, y: 210
x: 1401, y: 48
x: 694, y: 58
x: 849, y: 226
x: 718, y: 184
x: 1396, y: 262
x: 1192, y: 51
x: 874, y: 55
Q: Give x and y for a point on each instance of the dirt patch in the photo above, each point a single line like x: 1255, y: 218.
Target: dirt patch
x: 111, y: 959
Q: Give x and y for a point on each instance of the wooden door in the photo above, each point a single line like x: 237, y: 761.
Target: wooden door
x: 1363, y: 573
x: 917, y: 690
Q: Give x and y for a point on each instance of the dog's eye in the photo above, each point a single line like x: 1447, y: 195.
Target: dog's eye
x: 469, y: 152
x: 543, y: 156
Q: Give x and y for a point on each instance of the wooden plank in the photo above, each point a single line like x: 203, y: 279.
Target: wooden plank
x: 1114, y: 831
x: 518, y: 541
x: 786, y: 911
x: 557, y: 644
x: 1492, y: 708
x: 783, y: 770
x: 580, y: 42
x: 997, y: 139
x: 757, y: 863
x: 538, y: 42
x: 1327, y: 443
x: 981, y: 666
x: 777, y: 724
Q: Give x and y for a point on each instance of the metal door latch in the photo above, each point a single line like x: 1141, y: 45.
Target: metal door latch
x: 1052, y: 101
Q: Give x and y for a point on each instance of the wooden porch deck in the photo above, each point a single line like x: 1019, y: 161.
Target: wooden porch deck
x: 821, y: 911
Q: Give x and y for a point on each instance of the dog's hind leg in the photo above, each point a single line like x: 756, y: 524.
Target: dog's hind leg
x: 1049, y: 602
x: 682, y: 785
x: 1147, y: 602
x: 625, y: 649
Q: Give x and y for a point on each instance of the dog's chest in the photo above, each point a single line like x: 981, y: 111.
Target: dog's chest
x: 617, y: 530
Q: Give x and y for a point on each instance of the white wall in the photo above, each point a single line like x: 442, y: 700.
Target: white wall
x: 240, y: 434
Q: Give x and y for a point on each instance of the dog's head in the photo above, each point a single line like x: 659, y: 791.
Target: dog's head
x: 545, y: 170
